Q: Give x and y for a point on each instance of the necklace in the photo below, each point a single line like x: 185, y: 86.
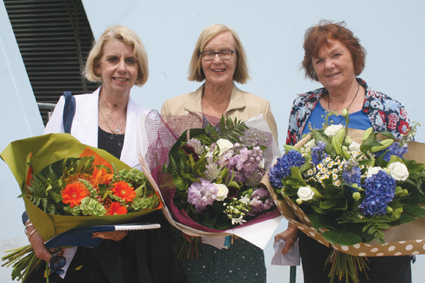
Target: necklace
x: 215, y: 106
x: 112, y: 137
x: 117, y: 129
x: 348, y: 107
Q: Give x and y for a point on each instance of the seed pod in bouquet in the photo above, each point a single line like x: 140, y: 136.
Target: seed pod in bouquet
x: 367, y: 134
x: 337, y: 140
x: 384, y: 144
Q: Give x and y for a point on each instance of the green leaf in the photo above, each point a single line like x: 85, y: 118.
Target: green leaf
x: 289, y: 148
x: 209, y: 221
x: 180, y: 183
x: 327, y: 204
x: 233, y: 184
x: 296, y: 174
x: 57, y: 197
x: 415, y: 210
x: 342, y: 238
x: 332, y: 191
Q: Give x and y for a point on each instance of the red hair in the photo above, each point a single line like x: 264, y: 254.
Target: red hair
x: 318, y: 36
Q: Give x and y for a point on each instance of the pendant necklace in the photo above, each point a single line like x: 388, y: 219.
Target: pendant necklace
x: 117, y: 129
x: 348, y: 107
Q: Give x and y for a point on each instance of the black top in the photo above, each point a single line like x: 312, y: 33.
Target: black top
x: 110, y: 142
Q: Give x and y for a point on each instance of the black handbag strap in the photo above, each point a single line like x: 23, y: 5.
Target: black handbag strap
x: 68, y: 111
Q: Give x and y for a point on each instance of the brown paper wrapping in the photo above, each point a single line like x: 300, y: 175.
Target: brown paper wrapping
x: 405, y: 239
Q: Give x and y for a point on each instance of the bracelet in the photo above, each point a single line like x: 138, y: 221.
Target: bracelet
x: 26, y: 227
x: 32, y: 232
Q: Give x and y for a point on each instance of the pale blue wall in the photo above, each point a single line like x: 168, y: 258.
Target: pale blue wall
x: 272, y: 31
x: 19, y: 118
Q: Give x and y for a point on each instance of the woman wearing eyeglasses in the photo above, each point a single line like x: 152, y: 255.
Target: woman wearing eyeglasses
x: 219, y: 59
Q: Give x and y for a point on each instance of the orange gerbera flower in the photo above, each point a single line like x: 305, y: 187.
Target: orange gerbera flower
x: 123, y: 190
x: 100, y: 176
x: 117, y: 209
x: 74, y: 193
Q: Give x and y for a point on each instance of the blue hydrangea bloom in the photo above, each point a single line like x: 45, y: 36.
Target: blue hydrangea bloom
x: 317, y: 153
x: 394, y: 149
x: 352, y: 175
x: 379, y: 191
x: 283, y: 166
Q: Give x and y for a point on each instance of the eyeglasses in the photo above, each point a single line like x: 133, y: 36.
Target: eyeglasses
x: 224, y: 54
x: 56, y: 264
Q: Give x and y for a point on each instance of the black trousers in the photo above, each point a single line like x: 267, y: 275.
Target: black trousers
x: 145, y: 256
x: 387, y: 269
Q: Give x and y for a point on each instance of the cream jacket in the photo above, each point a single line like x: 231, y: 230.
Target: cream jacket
x: 243, y: 105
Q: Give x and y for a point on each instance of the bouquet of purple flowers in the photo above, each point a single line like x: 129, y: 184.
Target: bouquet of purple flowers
x: 217, y: 174
x: 209, y: 176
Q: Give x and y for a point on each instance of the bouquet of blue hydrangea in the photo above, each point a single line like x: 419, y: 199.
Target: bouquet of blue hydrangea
x: 347, y: 194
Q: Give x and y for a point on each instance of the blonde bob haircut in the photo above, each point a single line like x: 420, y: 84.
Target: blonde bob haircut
x: 128, y: 37
x: 195, y: 68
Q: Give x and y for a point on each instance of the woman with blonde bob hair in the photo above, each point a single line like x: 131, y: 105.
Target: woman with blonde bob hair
x: 195, y: 68
x: 128, y: 37
x: 108, y: 119
x: 219, y: 61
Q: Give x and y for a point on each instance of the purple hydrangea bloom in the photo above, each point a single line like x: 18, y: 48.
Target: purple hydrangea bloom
x: 202, y: 194
x: 256, y: 206
x: 237, y: 176
x: 394, y: 149
x: 260, y: 201
x: 379, y: 191
x: 283, y: 166
x: 268, y: 203
x: 243, y: 156
x: 262, y: 193
x: 249, y: 160
x: 317, y: 154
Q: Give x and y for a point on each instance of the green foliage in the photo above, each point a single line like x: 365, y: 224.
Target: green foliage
x: 229, y: 129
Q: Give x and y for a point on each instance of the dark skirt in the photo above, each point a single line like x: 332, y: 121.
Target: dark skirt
x: 242, y: 262
x: 381, y: 269
x: 142, y: 256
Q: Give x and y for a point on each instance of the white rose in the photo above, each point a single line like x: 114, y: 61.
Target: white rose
x: 398, y: 171
x: 222, y: 193
x: 372, y: 171
x: 333, y: 130
x: 305, y: 193
x: 310, y: 144
x: 224, y: 145
x: 354, y: 146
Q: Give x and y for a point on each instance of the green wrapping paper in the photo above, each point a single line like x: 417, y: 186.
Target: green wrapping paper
x: 47, y: 149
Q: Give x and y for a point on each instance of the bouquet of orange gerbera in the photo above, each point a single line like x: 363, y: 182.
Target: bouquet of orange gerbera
x: 78, y: 186
x: 66, y: 184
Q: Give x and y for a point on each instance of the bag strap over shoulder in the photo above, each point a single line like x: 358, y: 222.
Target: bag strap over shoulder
x: 68, y: 111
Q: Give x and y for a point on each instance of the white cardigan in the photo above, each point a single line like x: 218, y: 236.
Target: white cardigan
x: 86, y: 122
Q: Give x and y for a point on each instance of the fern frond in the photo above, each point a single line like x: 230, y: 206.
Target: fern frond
x: 228, y: 129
